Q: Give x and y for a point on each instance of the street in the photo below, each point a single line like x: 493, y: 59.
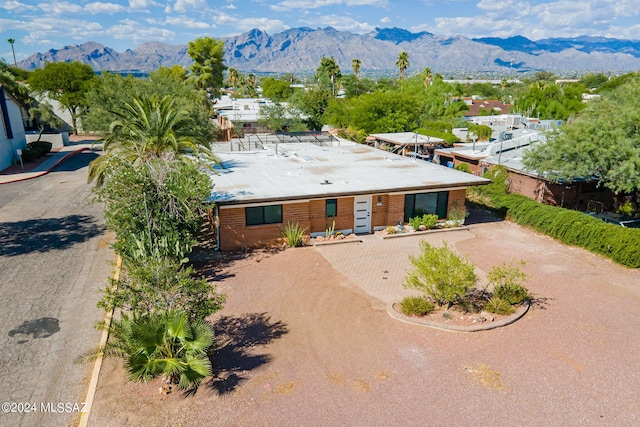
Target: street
x: 54, y: 257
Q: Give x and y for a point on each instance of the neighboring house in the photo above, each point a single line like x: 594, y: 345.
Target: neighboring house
x: 240, y: 116
x: 578, y: 194
x: 12, y: 136
x: 484, y: 107
x: 405, y: 143
x: 361, y: 188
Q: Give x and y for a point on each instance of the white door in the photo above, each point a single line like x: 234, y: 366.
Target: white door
x: 362, y: 214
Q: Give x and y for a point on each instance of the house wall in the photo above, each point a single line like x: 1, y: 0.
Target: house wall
x: 456, y: 198
x: 570, y: 196
x: 8, y: 146
x: 386, y: 209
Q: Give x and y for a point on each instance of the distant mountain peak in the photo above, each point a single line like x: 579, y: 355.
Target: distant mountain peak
x: 397, y: 35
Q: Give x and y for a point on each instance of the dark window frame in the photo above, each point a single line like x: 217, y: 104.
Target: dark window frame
x: 263, y: 215
x: 442, y: 202
x: 331, y: 204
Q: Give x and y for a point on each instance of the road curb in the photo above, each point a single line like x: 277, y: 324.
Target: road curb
x: 52, y: 167
x: 93, y: 383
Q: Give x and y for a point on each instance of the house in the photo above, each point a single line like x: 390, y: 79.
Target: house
x: 405, y: 143
x: 484, y: 107
x: 361, y: 188
x: 12, y: 134
x: 240, y: 116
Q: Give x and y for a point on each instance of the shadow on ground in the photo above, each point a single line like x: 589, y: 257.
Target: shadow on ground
x: 76, y: 162
x: 237, y: 337
x: 46, y: 234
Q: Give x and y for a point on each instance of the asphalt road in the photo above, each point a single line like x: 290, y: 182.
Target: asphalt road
x: 54, y: 257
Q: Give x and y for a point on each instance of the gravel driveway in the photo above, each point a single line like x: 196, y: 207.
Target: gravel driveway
x: 306, y: 341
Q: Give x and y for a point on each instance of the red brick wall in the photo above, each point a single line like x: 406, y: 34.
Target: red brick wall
x: 456, y: 197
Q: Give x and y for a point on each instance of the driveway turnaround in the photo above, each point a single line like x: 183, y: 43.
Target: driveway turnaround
x: 54, y: 256
x: 305, y: 340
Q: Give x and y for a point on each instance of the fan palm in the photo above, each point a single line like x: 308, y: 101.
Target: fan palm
x: 150, y: 128
x: 355, y: 64
x: 161, y: 344
x: 402, y: 63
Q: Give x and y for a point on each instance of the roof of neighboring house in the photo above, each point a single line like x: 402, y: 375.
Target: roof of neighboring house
x: 402, y: 138
x: 305, y: 171
x: 491, y: 105
x: 482, y: 150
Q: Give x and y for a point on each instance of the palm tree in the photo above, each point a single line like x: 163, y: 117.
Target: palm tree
x: 355, y: 64
x: 150, y: 128
x: 232, y: 75
x: 402, y: 63
x: 11, y: 42
x: 160, y: 344
x: 427, y: 77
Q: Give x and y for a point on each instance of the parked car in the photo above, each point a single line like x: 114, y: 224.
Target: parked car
x: 617, y: 219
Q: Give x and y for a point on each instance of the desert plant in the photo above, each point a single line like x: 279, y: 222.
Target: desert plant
x: 330, y: 230
x: 165, y: 344
x: 293, y: 234
x: 415, y: 222
x: 429, y: 220
x: 416, y: 306
x: 441, y: 274
x: 457, y: 212
x: 499, y: 306
x: 507, y: 282
x: 391, y: 229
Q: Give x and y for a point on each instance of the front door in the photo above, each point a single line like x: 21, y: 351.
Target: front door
x: 362, y: 214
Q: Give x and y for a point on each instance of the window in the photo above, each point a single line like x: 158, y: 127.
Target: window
x: 263, y: 215
x: 425, y: 203
x: 331, y: 208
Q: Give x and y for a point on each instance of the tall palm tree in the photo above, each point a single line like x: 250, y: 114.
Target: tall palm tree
x: 232, y: 75
x: 355, y: 64
x: 11, y: 42
x: 150, y: 128
x: 402, y: 63
x: 427, y: 77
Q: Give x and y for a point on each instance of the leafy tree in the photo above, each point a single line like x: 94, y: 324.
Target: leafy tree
x: 441, y: 274
x: 65, y: 82
x: 482, y: 132
x: 150, y: 128
x: 279, y: 117
x: 44, y: 115
x: 175, y: 72
x: 275, y: 89
x: 208, y: 63
x: 402, y: 63
x: 602, y: 143
x: 549, y: 101
x: 161, y: 345
x: 312, y: 104
x: 592, y: 80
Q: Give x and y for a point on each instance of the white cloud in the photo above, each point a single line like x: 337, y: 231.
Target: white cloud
x: 385, y: 20
x: 287, y: 5
x: 142, y: 4
x: 230, y: 6
x: 186, y: 22
x: 183, y: 6
x: 108, y: 8
x: 44, y: 29
x: 132, y: 30
x: 59, y: 7
x: 11, y: 24
x: 344, y: 23
x: 16, y: 6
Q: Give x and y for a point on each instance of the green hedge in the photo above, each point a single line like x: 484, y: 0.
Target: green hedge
x: 448, y: 137
x: 620, y: 244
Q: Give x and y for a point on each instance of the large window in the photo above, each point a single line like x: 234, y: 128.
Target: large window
x: 258, y: 215
x: 425, y: 203
x: 331, y: 208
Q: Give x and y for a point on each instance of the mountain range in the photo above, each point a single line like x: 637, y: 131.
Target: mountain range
x: 300, y: 50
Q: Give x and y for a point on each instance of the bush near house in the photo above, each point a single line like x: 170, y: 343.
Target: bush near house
x: 622, y: 245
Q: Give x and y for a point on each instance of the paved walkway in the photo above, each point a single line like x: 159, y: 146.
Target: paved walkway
x: 379, y: 266
x: 18, y: 173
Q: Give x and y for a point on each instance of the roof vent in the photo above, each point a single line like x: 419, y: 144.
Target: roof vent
x: 326, y: 182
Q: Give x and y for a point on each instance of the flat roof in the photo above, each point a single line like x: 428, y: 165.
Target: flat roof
x: 306, y: 171
x: 401, y: 138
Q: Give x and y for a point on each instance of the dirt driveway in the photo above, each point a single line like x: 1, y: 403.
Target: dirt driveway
x: 310, y: 344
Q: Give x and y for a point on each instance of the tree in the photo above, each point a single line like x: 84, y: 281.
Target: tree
x: 11, y: 42
x: 208, y: 66
x: 44, y: 115
x: 427, y: 77
x: 232, y: 76
x: 441, y: 274
x: 65, y: 82
x: 328, y: 72
x: 313, y: 104
x: 402, y: 63
x: 355, y: 64
x: 161, y: 345
x: 275, y: 89
x: 150, y: 128
x: 601, y: 143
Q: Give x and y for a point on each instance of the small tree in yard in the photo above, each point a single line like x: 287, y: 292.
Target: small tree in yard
x: 441, y: 274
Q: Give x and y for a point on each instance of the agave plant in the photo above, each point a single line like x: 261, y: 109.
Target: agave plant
x: 161, y: 344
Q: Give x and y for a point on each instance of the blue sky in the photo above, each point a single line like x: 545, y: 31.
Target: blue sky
x: 40, y: 25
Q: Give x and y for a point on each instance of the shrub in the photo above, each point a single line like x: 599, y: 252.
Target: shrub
x: 429, y: 220
x: 416, y: 306
x: 512, y: 293
x: 391, y: 229
x: 30, y: 155
x: 293, y: 234
x: 43, y: 146
x: 415, y: 222
x: 441, y: 274
x: 507, y: 282
x: 498, y: 306
x: 463, y: 167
